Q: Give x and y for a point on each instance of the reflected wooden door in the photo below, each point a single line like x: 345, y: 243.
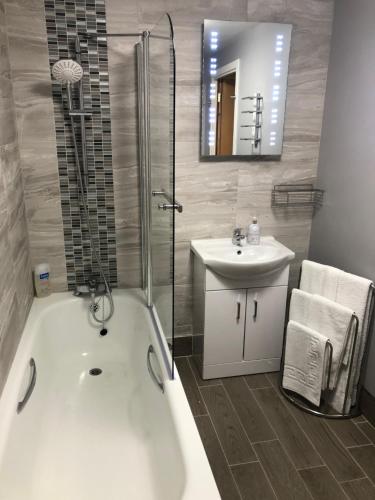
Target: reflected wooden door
x: 225, y: 114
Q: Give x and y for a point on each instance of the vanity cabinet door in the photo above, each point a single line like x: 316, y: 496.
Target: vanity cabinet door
x: 265, y: 317
x: 224, y: 326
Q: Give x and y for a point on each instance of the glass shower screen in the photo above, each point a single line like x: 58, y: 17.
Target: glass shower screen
x: 158, y: 199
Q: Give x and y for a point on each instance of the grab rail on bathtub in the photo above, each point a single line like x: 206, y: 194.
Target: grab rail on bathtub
x: 21, y: 405
x: 151, y: 370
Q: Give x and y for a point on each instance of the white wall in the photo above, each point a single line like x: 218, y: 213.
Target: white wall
x: 343, y: 231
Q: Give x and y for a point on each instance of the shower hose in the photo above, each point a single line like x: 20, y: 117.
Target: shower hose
x: 94, y: 309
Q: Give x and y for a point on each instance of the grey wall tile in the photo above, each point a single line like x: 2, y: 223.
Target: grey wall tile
x: 16, y: 289
x: 33, y: 100
x: 218, y: 196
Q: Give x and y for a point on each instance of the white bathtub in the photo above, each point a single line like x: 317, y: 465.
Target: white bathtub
x: 115, y: 436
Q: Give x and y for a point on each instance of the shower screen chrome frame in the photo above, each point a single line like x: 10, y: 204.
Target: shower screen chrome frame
x: 143, y: 107
x: 143, y: 72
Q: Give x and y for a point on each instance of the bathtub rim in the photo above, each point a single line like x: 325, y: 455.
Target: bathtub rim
x: 199, y: 480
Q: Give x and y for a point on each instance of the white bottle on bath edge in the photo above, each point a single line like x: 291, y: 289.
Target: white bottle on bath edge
x: 253, y: 235
x: 41, y: 280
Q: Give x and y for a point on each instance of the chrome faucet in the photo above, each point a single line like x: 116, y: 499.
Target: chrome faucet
x: 92, y: 289
x: 238, y: 237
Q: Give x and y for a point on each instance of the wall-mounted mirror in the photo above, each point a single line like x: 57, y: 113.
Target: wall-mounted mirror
x: 244, y: 83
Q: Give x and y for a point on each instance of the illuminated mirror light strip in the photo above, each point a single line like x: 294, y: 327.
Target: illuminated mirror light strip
x: 277, y: 72
x: 214, y: 43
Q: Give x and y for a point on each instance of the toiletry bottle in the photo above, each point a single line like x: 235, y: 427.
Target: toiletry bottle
x: 253, y: 235
x: 41, y: 280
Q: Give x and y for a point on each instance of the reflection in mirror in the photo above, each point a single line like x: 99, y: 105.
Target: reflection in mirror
x: 244, y: 82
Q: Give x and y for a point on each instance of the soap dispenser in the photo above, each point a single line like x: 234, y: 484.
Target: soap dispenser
x: 253, y: 234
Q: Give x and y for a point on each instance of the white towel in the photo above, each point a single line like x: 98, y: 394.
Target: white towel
x: 319, y: 279
x: 353, y: 290
x: 350, y: 291
x: 304, y: 362
x: 328, y: 318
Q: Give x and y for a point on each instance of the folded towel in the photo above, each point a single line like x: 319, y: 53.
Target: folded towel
x: 328, y: 318
x: 353, y: 290
x: 319, y: 279
x: 304, y: 362
x: 350, y: 291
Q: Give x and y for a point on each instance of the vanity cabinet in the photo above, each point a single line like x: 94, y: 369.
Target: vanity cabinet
x: 225, y: 312
x: 264, y: 327
x: 238, y: 324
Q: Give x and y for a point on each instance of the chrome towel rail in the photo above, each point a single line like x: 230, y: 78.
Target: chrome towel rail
x: 21, y: 405
x: 324, y: 410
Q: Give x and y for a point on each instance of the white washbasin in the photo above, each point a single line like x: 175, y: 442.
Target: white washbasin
x: 236, y: 262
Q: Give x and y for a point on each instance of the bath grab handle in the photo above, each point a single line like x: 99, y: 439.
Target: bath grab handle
x: 150, y: 369
x: 21, y: 405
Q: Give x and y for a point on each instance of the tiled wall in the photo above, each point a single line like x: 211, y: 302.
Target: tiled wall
x: 15, y: 270
x: 66, y: 19
x: 217, y: 196
x: 37, y: 137
x: 36, y: 126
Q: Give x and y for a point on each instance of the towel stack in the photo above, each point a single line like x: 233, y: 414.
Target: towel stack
x: 321, y: 313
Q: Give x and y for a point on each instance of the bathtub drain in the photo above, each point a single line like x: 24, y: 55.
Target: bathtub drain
x: 95, y: 371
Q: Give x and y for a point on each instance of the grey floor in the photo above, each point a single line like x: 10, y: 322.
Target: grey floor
x: 262, y: 447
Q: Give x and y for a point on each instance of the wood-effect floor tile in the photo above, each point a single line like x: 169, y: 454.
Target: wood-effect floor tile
x: 290, y: 434
x: 321, y: 484
x: 252, y: 482
x: 285, y: 480
x: 367, y: 429
x: 190, y: 386
x: 252, y: 418
x: 348, y: 432
x: 236, y: 445
x: 336, y: 457
x: 361, y: 489
x: 198, y: 378
x: 274, y: 377
x: 365, y: 456
x: 360, y: 418
x: 258, y: 381
x: 217, y: 460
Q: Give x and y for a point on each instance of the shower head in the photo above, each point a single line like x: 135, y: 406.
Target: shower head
x: 67, y: 71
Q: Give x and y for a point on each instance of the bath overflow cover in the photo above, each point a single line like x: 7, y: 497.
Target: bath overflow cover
x: 95, y: 371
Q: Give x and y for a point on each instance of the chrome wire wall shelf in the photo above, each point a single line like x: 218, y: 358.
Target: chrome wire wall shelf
x: 296, y: 195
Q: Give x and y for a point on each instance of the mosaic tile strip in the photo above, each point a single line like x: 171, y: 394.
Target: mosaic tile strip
x: 65, y: 19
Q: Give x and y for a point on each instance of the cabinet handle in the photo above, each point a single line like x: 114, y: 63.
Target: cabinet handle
x: 255, y: 310
x: 238, y: 317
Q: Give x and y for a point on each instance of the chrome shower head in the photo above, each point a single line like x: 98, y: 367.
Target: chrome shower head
x: 67, y: 71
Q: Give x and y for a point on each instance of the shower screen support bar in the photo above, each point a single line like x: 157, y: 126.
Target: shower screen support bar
x: 145, y: 161
x: 141, y: 154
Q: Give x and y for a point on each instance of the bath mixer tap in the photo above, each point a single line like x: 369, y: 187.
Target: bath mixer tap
x: 92, y: 289
x: 238, y: 237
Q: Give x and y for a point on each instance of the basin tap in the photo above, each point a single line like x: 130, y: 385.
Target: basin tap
x: 238, y: 237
